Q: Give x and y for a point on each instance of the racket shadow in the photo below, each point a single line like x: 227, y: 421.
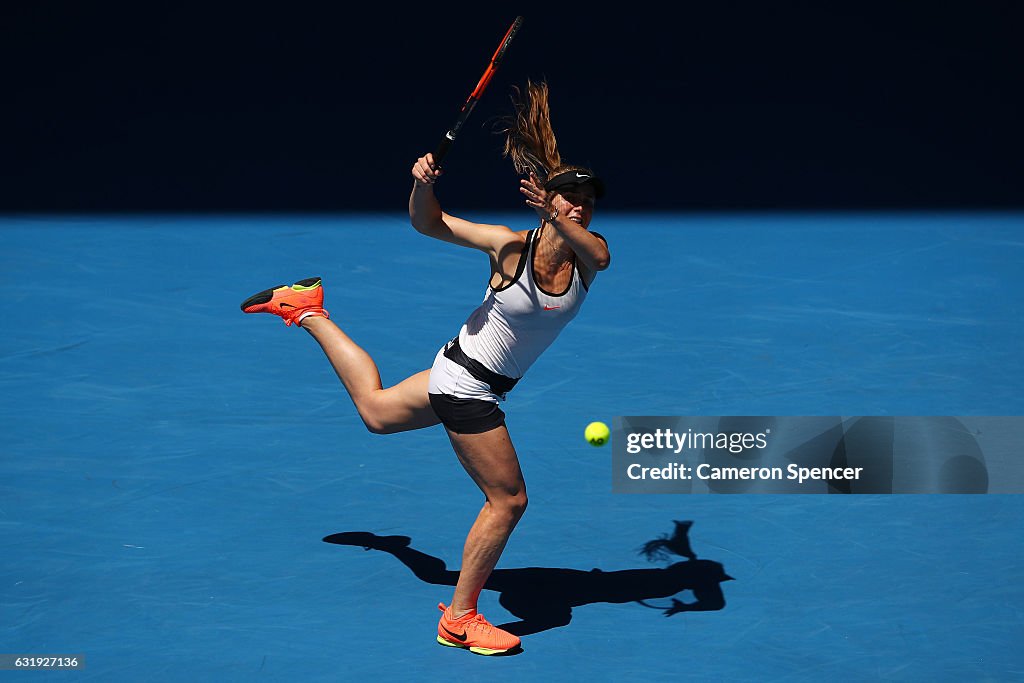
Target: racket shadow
x: 542, y: 598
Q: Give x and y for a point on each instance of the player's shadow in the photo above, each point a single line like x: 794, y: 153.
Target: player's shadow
x: 543, y: 597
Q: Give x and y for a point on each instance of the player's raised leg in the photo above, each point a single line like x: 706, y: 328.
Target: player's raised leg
x: 399, y: 408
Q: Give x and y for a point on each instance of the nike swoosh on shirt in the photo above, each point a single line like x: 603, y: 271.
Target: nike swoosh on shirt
x: 551, y: 308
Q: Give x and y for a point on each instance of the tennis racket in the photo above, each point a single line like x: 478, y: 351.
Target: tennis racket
x: 478, y: 91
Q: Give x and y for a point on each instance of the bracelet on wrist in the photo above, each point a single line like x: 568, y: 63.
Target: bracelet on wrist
x: 551, y: 218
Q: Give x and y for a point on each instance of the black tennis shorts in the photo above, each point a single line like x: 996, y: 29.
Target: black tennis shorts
x: 467, y: 415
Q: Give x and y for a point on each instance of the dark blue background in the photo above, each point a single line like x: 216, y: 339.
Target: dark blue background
x: 723, y: 105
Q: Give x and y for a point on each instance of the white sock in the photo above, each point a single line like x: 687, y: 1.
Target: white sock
x: 305, y: 314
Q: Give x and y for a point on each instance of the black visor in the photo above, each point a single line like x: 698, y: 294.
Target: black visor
x: 574, y: 179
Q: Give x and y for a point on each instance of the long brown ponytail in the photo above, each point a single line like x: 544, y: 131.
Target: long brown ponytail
x: 529, y: 138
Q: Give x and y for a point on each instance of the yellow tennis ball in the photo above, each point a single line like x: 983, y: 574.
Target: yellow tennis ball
x: 597, y: 433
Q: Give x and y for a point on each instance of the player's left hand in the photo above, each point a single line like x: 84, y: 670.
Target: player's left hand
x: 536, y: 196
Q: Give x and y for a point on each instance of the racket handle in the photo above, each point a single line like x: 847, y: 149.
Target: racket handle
x: 442, y: 148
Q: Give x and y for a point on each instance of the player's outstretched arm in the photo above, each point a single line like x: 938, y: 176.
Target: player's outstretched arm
x: 427, y: 217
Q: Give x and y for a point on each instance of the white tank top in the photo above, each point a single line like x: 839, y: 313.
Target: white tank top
x: 517, y: 322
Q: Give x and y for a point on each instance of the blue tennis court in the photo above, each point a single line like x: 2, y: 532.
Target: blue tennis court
x: 187, y: 493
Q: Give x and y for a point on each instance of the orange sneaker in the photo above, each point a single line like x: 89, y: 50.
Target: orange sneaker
x: 291, y: 302
x: 474, y: 633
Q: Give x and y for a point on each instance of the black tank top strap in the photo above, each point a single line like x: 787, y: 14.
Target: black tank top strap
x: 524, y: 260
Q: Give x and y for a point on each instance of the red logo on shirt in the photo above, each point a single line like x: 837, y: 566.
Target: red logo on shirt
x: 551, y: 308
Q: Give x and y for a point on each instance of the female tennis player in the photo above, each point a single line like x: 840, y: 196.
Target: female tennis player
x: 538, y: 281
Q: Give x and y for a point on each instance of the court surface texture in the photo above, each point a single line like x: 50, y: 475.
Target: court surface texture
x: 187, y: 493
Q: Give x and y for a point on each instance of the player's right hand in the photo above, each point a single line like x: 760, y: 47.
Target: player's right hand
x: 425, y: 171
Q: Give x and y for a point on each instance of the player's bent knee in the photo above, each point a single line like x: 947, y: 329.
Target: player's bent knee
x: 383, y: 412
x: 379, y: 427
x: 520, y: 504
x: 514, y: 506
x: 375, y: 425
